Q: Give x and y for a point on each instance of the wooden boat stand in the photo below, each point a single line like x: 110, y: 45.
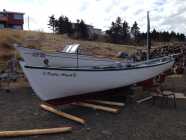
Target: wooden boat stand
x: 97, y: 107
x: 107, y: 106
x: 31, y: 132
x: 52, y: 109
x: 88, y: 102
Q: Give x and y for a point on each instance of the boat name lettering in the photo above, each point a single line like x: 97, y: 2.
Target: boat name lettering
x: 59, y: 74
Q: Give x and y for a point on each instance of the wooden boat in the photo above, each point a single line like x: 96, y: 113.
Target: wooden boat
x: 69, y: 57
x: 59, y: 82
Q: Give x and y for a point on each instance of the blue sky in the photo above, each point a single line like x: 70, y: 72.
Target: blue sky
x: 164, y: 14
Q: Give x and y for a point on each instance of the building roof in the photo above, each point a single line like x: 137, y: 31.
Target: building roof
x: 11, y: 12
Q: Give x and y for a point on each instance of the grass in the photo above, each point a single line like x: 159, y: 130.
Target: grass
x: 53, y: 42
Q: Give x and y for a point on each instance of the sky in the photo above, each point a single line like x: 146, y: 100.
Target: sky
x: 164, y: 14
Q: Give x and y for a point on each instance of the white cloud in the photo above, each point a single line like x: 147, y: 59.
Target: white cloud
x: 164, y: 14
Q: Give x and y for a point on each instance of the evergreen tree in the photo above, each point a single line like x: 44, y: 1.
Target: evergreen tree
x: 173, y: 36
x: 135, y: 30
x: 64, y: 26
x: 68, y: 26
x: 115, y: 31
x: 77, y: 29
x: 181, y: 37
x: 60, y: 25
x: 83, y: 30
x: 125, y: 31
x: 154, y: 35
x: 52, y: 23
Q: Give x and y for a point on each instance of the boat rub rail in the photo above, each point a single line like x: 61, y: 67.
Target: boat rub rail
x: 101, y: 68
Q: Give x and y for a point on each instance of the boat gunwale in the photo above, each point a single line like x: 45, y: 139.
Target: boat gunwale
x: 50, y: 54
x: 90, y: 59
x: 98, y: 69
x: 58, y: 52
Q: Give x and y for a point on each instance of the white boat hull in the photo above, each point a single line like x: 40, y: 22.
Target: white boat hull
x: 52, y: 83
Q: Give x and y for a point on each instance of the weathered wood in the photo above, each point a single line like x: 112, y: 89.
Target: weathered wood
x: 97, y: 107
x: 175, y: 76
x: 108, y: 102
x: 34, y: 132
x: 177, y: 95
x: 180, y: 95
x: 144, y: 99
x: 62, y: 114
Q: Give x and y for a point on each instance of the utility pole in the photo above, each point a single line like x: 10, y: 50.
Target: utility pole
x: 148, y: 36
x: 28, y: 23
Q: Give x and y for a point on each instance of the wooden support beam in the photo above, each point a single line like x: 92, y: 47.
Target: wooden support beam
x: 35, y: 132
x: 179, y: 95
x: 175, y: 76
x: 144, y: 99
x: 62, y: 114
x: 97, y: 107
x: 108, y: 102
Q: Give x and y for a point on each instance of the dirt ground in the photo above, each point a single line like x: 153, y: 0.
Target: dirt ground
x: 19, y: 109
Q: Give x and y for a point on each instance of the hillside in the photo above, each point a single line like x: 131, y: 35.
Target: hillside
x: 52, y: 42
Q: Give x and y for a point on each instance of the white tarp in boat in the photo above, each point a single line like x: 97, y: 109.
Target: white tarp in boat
x: 71, y: 48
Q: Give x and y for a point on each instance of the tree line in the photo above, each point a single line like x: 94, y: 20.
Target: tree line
x: 119, y: 32
x: 63, y: 25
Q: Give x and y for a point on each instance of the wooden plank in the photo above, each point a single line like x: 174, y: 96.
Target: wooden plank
x: 177, y: 95
x: 108, y: 102
x: 62, y: 114
x: 175, y: 76
x: 180, y: 96
x: 97, y: 107
x: 35, y: 132
x: 144, y: 99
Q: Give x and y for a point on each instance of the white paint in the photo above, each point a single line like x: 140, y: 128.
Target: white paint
x: 56, y: 85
